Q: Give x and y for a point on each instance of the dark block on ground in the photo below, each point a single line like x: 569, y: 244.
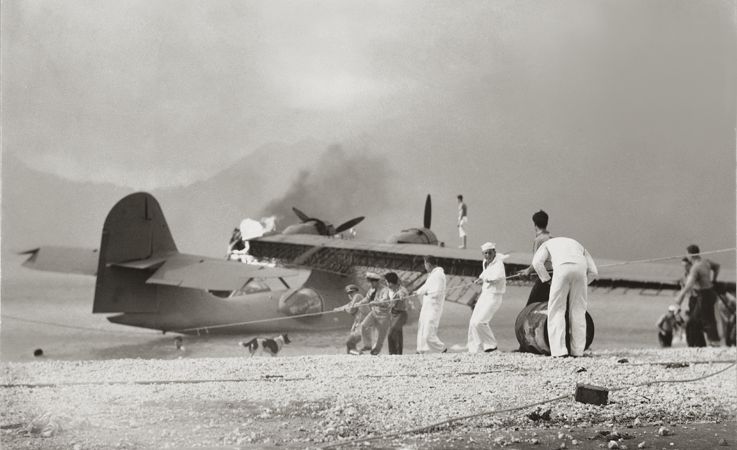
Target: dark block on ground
x: 588, y: 393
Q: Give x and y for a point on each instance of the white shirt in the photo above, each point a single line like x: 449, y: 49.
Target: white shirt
x: 562, y: 250
x: 434, y: 288
x: 494, y: 276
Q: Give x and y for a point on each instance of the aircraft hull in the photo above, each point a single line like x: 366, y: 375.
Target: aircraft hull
x: 196, y: 311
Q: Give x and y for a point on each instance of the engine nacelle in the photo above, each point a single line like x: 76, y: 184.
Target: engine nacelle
x: 300, y: 301
x: 414, y: 236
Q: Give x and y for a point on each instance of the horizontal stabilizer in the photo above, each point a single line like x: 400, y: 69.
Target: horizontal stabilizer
x: 196, y: 272
x: 62, y: 259
x: 141, y: 264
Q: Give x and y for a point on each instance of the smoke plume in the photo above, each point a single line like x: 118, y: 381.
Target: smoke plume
x: 340, y: 186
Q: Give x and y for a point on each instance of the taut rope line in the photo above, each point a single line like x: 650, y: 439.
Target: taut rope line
x: 461, y: 285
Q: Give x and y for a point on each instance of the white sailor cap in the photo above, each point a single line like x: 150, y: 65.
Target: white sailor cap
x: 372, y: 276
x: 488, y: 246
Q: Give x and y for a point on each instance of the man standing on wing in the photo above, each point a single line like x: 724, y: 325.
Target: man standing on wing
x: 462, y: 221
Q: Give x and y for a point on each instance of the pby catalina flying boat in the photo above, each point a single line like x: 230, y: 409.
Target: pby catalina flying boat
x: 144, y: 281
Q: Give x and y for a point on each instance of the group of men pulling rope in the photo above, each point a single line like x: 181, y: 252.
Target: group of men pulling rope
x: 564, y: 268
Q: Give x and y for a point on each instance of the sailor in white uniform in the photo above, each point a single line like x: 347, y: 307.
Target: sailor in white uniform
x: 433, y: 298
x: 494, y: 284
x: 573, y: 269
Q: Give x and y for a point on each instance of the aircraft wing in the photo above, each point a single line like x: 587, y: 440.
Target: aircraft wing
x: 192, y: 271
x: 175, y: 269
x: 326, y: 253
x: 61, y: 259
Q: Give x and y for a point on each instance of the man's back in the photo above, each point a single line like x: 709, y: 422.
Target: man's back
x: 701, y: 271
x: 564, y: 250
x: 540, y: 239
x: 434, y: 286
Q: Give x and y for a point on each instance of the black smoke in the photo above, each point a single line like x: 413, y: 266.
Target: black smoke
x: 340, y: 185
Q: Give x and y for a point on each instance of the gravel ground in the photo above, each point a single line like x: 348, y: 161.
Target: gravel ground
x: 316, y: 401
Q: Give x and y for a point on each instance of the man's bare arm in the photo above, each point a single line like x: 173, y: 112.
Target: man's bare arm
x: 714, y: 271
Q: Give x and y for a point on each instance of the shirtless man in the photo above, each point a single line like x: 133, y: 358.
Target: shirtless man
x: 701, y: 279
x: 540, y: 290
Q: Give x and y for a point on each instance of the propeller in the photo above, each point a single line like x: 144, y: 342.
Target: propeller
x: 323, y: 228
x: 302, y: 216
x: 350, y: 224
x: 428, y: 212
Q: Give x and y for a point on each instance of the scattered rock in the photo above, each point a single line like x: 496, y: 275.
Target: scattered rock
x: 662, y: 431
x: 537, y: 416
x: 677, y: 365
x: 588, y: 393
x: 723, y: 442
x: 613, y: 444
x: 623, y: 360
x: 642, y: 445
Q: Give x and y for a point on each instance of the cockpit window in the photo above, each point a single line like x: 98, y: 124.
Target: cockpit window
x: 251, y: 287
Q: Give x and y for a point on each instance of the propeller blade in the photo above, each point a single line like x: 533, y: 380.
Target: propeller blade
x: 302, y: 216
x: 321, y: 227
x: 350, y: 224
x: 428, y: 212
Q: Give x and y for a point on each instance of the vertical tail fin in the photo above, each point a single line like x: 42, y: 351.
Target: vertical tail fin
x: 135, y: 229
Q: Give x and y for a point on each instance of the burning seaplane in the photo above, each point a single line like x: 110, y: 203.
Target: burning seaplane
x: 144, y: 281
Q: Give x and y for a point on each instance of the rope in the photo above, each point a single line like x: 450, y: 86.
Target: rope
x: 231, y: 380
x: 459, y: 286
x: 99, y: 330
x: 515, y: 408
x: 299, y: 316
x: 411, y: 375
x: 666, y: 258
x: 148, y: 382
x: 668, y: 363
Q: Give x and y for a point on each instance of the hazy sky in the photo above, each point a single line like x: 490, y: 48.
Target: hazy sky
x: 617, y: 116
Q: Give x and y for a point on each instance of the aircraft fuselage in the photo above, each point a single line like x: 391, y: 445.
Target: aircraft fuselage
x: 260, y: 306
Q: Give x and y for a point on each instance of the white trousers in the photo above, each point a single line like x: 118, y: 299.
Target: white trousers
x: 462, y: 227
x: 480, y: 336
x: 567, y: 278
x: 427, y: 328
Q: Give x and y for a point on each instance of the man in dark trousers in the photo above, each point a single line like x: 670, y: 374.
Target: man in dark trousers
x: 399, y: 312
x: 701, y: 279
